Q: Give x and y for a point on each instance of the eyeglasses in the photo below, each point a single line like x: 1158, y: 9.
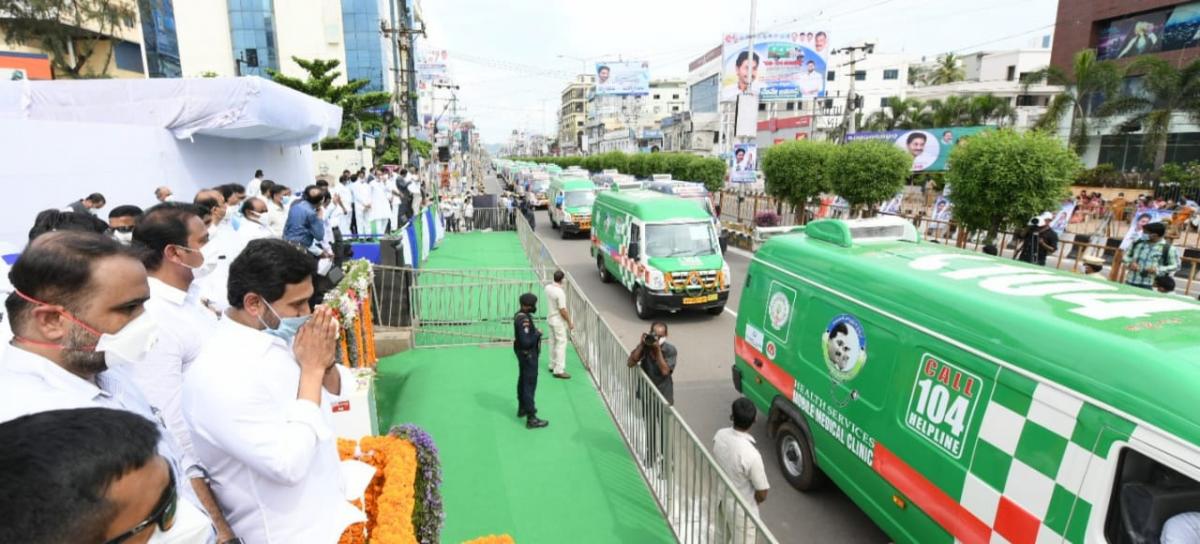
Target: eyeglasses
x: 163, y: 514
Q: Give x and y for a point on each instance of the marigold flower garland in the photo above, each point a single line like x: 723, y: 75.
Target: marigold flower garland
x: 351, y: 302
x: 390, y: 499
x: 492, y: 539
x: 428, y: 515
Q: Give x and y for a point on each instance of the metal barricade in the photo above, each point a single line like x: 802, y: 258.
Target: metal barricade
x: 468, y: 307
x: 696, y: 497
x: 489, y: 219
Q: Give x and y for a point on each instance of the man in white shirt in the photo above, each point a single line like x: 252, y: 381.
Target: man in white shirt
x: 811, y: 81
x: 254, y: 217
x: 253, y: 187
x: 360, y: 190
x: 259, y: 402
x: 734, y: 451
x: 559, y: 320
x: 172, y: 237
x: 77, y: 298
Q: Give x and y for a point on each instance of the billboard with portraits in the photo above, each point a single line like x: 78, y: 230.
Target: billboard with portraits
x: 1166, y: 29
x: 783, y: 65
x: 623, y: 78
x: 930, y: 147
x: 743, y: 163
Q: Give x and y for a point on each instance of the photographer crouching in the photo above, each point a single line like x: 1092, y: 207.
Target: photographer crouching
x: 657, y: 359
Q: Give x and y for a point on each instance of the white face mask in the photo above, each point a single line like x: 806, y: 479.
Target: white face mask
x: 191, y: 527
x: 132, y: 342
x: 208, y: 265
x: 123, y: 237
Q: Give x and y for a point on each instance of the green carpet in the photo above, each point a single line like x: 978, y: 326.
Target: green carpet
x: 474, y: 250
x: 572, y: 482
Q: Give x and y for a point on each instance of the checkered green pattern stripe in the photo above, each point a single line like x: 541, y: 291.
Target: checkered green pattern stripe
x: 1026, y: 477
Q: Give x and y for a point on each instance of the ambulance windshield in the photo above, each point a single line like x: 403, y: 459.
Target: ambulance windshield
x: 680, y: 240
x: 575, y: 199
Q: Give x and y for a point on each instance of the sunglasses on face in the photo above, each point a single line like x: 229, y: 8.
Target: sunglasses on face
x: 162, y: 516
x: 123, y: 229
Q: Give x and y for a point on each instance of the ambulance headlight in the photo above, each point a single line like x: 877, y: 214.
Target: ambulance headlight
x: 568, y: 218
x: 656, y: 281
x: 725, y: 279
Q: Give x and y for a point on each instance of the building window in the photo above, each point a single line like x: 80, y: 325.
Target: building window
x: 762, y: 106
x: 252, y: 31
x: 891, y: 74
x: 885, y: 102
x: 791, y: 106
x: 674, y: 97
x: 161, y: 43
x: 1011, y: 74
x: 128, y: 56
x: 674, y: 108
x: 703, y: 95
x: 832, y: 75
x: 860, y: 75
x: 656, y: 97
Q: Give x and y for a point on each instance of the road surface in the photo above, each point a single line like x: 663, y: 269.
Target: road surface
x: 704, y: 390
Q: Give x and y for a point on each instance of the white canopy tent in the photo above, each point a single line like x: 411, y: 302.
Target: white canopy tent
x: 62, y: 140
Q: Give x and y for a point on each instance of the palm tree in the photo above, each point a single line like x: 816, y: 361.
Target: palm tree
x: 1094, y: 80
x: 1166, y: 91
x: 987, y: 108
x: 918, y: 75
x: 954, y: 111
x: 947, y: 70
x: 901, y: 113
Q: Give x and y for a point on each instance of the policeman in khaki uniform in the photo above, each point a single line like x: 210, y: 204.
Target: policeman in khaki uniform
x: 527, y: 345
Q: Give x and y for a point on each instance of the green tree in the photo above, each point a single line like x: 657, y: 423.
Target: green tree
x: 954, y: 111
x: 947, y: 70
x: 989, y: 109
x: 678, y: 165
x: 1090, y: 82
x: 1002, y: 178
x: 868, y: 172
x: 357, y: 107
x: 1166, y: 91
x: 71, y: 32
x: 797, y: 171
x: 615, y: 160
x: 707, y: 170
x: 656, y: 163
x: 918, y: 75
x: 900, y: 113
x: 592, y: 163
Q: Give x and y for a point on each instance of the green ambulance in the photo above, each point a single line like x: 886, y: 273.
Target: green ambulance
x: 958, y: 397
x: 571, y: 201
x: 660, y: 247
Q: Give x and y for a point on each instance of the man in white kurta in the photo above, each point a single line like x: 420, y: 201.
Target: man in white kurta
x: 734, y: 451
x: 260, y: 406
x: 381, y: 206
x: 559, y: 320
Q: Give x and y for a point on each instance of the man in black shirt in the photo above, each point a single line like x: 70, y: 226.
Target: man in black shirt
x: 1039, y: 240
x: 527, y: 345
x: 657, y: 360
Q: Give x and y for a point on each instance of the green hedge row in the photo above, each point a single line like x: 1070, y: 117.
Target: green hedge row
x: 682, y: 166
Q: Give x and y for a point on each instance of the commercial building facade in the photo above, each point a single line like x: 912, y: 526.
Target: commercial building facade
x: 99, y: 51
x: 1124, y: 31
x: 572, y: 115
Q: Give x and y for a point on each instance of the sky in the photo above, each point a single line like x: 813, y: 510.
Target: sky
x: 511, y: 59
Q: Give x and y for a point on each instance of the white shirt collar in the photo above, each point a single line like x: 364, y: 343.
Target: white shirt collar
x: 159, y: 289
x: 20, y: 361
x: 743, y: 434
x: 247, y: 338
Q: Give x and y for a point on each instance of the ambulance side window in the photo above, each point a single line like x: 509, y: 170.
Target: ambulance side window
x: 1146, y: 494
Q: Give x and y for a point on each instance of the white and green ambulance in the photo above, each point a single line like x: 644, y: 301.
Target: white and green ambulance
x: 959, y: 397
x: 662, y: 248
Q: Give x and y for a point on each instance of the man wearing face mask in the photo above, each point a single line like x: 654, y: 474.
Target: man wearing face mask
x: 90, y: 204
x: 222, y: 246
x: 254, y: 221
x: 657, y: 359
x: 172, y: 239
x: 304, y: 223
x: 120, y: 222
x: 78, y: 298
x: 259, y: 400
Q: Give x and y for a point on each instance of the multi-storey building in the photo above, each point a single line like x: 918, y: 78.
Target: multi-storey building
x: 572, y: 114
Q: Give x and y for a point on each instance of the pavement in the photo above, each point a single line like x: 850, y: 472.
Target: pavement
x: 704, y: 390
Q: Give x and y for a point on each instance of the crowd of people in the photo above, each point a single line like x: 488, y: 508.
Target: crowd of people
x: 170, y: 375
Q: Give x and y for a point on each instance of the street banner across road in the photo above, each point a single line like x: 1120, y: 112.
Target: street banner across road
x: 623, y: 78
x: 786, y: 65
x: 929, y: 147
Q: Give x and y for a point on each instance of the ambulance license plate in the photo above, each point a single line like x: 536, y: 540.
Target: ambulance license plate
x: 700, y: 300
x: 585, y: 225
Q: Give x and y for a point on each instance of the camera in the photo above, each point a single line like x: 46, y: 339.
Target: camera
x: 649, y: 339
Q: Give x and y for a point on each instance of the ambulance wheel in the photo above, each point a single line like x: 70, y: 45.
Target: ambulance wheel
x: 716, y: 310
x: 605, y: 276
x: 639, y: 304
x: 796, y: 460
x: 563, y: 233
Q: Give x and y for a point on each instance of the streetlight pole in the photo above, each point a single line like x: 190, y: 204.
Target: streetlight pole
x: 851, y: 98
